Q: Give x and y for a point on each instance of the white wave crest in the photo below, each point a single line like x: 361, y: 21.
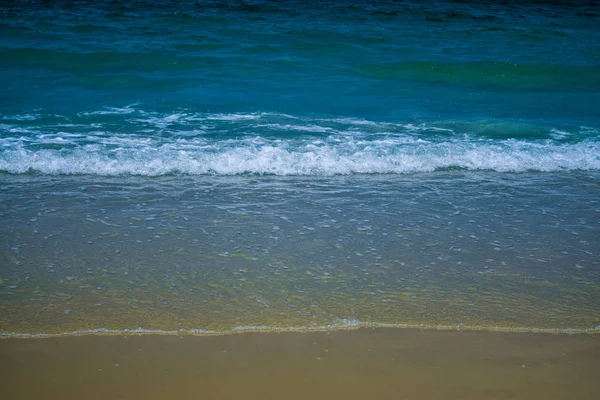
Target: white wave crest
x: 332, y: 156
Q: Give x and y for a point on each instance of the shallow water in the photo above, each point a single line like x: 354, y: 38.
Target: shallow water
x: 217, y: 253
x: 211, y: 167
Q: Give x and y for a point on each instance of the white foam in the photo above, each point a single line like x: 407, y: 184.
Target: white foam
x: 340, y: 324
x: 261, y: 143
x: 163, y: 121
x: 358, y: 121
x: 299, y: 128
x: 558, y: 134
x: 142, y: 155
x: 233, y: 117
x: 111, y: 111
x: 21, y: 117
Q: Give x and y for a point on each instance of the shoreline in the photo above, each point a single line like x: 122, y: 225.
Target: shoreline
x: 362, y: 363
x: 345, y: 325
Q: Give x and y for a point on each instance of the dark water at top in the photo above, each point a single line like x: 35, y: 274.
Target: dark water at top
x: 217, y: 164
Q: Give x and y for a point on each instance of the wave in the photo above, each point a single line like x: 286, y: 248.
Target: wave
x: 342, y: 324
x: 129, y: 141
x: 334, y: 156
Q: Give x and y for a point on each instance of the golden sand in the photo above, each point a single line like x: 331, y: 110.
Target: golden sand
x: 361, y: 364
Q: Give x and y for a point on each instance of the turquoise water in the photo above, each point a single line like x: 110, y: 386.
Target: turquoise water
x: 214, y: 165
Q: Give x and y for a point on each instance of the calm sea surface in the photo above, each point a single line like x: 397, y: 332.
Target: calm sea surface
x: 215, y: 166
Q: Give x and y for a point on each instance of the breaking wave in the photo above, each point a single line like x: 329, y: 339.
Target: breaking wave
x: 126, y: 141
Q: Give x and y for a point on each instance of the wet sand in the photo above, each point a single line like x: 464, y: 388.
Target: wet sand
x: 362, y: 364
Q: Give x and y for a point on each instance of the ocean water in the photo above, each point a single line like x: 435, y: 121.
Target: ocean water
x: 220, y: 166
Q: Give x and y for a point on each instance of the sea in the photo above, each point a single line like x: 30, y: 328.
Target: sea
x: 212, y: 167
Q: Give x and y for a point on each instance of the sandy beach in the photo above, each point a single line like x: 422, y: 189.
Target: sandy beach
x: 254, y: 199
x: 367, y: 363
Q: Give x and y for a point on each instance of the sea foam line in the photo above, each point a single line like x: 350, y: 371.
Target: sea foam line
x: 263, y: 157
x: 341, y: 325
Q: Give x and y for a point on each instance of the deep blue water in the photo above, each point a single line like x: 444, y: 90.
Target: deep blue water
x: 317, y: 87
x: 397, y: 162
